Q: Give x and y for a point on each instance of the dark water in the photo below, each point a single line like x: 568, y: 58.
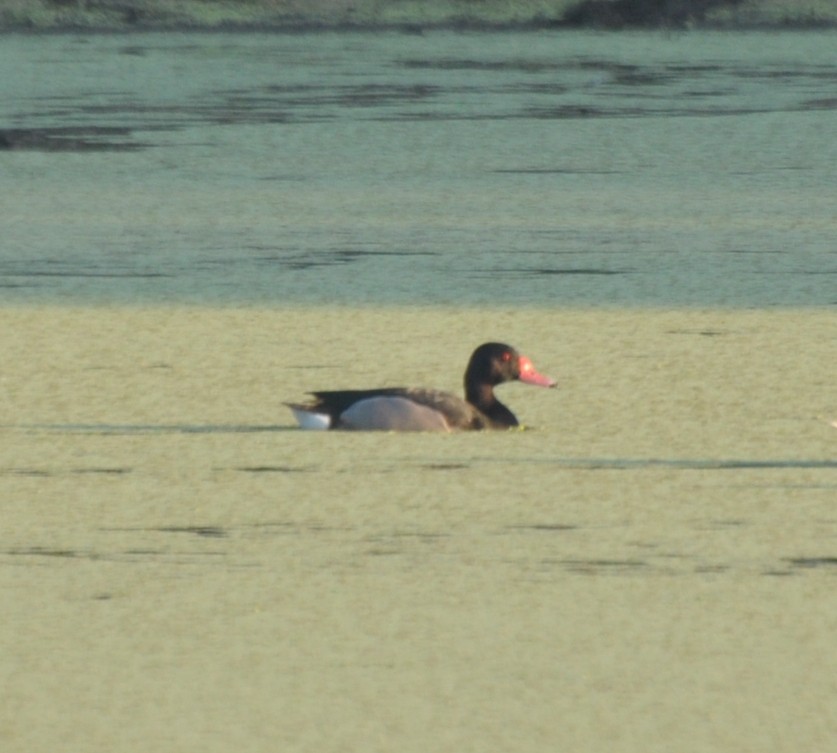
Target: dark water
x: 516, y: 169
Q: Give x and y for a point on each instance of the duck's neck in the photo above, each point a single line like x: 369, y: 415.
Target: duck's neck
x: 482, y: 397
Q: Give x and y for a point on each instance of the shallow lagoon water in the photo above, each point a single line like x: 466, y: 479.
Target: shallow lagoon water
x: 649, y: 566
x: 536, y: 169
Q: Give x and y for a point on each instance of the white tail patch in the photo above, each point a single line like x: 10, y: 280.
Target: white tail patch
x: 310, y: 420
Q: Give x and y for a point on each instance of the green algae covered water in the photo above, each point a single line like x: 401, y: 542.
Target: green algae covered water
x: 197, y: 228
x: 651, y: 566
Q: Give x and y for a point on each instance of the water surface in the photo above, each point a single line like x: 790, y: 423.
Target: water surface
x: 547, y: 168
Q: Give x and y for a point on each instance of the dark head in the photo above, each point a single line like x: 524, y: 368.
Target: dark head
x: 494, y: 363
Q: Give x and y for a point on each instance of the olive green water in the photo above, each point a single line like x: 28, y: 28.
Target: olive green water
x: 649, y: 566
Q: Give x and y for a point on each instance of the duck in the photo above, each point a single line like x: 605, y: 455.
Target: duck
x: 423, y: 409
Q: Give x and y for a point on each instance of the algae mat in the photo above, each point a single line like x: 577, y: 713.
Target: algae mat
x: 651, y: 566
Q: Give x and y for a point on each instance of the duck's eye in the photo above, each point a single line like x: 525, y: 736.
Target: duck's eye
x: 506, y: 356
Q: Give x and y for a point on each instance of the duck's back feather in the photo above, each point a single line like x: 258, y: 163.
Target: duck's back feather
x: 395, y: 409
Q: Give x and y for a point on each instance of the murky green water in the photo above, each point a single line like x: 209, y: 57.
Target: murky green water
x: 528, y: 168
x: 651, y: 567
